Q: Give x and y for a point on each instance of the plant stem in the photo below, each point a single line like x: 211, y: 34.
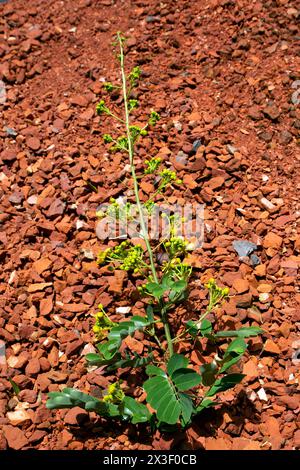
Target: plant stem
x: 164, y: 317
x: 132, y: 166
x: 137, y: 197
x: 183, y: 333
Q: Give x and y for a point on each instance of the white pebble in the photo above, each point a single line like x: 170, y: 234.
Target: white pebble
x: 12, y: 277
x: 88, y: 349
x: 252, y: 396
x: 32, y: 200
x: 123, y: 310
x: 267, y: 204
x: 262, y: 394
x: 79, y: 224
x: 264, y: 297
x: 177, y: 125
x: 3, y: 177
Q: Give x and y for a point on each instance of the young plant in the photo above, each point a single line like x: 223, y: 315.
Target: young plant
x: 174, y: 390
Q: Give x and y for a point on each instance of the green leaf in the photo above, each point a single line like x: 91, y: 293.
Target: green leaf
x: 245, y: 332
x: 187, y: 408
x: 93, y: 359
x: 153, y: 370
x: 119, y: 362
x: 161, y: 395
x: 155, y: 289
x: 167, y: 281
x: 116, y: 335
x: 164, y: 391
x: 179, y: 286
x: 150, y: 314
x: 225, y: 383
x: 138, y: 412
x: 103, y: 408
x: 237, y: 346
x: 134, y: 362
x: 233, y: 354
x: 15, y: 387
x: 184, y: 379
x: 206, y: 328
x: 127, y: 328
x: 206, y: 403
x: 176, y: 297
x: 70, y: 397
x: 192, y: 328
x: 78, y: 397
x: 178, y: 291
x: 208, y: 373
x: 58, y: 401
x: 177, y: 361
x: 108, y: 350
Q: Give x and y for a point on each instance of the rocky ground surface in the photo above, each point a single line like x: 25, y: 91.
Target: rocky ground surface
x: 223, y: 75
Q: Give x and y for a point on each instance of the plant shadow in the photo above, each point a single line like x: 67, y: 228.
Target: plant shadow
x: 230, y: 418
x: 208, y: 423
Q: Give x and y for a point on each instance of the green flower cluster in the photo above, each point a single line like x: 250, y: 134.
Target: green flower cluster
x: 115, y: 210
x: 133, y: 261
x: 136, y: 131
x: 114, y: 394
x: 129, y: 256
x: 177, y: 270
x: 168, y: 177
x: 120, y: 144
x: 216, y: 293
x: 142, y: 288
x: 154, y: 117
x: 101, y: 107
x: 103, y: 256
x: 107, y: 138
x: 103, y: 324
x: 119, y: 211
x: 134, y: 76
x: 176, y: 246
x: 152, y: 165
x: 148, y: 205
x: 132, y: 104
x: 109, y: 86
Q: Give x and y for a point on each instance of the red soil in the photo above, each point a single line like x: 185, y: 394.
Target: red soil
x: 225, y: 71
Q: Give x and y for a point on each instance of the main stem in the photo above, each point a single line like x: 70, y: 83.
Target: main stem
x: 137, y: 197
